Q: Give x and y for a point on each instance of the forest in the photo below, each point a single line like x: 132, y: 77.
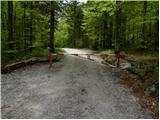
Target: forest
x: 98, y: 25
x: 122, y: 35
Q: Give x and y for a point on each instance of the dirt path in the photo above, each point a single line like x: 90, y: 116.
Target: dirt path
x: 72, y: 88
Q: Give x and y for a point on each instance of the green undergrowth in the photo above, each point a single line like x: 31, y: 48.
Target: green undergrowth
x: 59, y: 50
x: 57, y: 58
x: 13, y: 57
x: 144, y: 64
x: 148, y: 73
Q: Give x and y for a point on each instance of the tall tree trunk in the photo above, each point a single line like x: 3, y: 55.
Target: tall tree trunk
x: 52, y: 27
x: 10, y: 25
x: 107, y: 36
x: 31, y: 29
x: 25, y: 40
x: 157, y: 32
x: 104, y: 41
x: 144, y: 24
x: 14, y: 31
x: 22, y: 30
x: 110, y: 34
x: 123, y: 31
x: 150, y: 30
x: 96, y: 40
x: 118, y: 31
x: 19, y: 34
x: 118, y: 26
x: 101, y: 36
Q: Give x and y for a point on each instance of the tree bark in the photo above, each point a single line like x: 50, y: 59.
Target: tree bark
x: 100, y: 35
x: 104, y: 41
x: 25, y: 40
x: 157, y: 32
x: 52, y: 27
x: 31, y: 29
x: 118, y: 26
x: 144, y: 24
x: 10, y: 25
x: 118, y: 32
x: 110, y: 34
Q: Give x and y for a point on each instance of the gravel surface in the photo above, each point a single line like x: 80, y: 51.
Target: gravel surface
x: 72, y: 88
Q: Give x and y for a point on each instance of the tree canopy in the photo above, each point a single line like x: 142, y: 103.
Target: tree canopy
x: 97, y: 25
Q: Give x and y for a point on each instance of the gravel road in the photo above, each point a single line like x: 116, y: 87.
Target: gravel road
x: 72, y: 88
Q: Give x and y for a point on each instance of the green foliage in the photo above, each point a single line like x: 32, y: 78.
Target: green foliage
x: 31, y: 26
x: 43, y: 53
x: 135, y: 20
x: 69, y: 32
x: 61, y: 34
x: 90, y: 25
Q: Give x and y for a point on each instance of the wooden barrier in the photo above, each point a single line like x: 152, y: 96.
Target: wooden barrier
x: 11, y: 67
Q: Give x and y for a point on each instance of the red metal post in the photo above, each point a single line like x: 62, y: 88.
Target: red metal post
x: 50, y: 57
x: 118, y: 57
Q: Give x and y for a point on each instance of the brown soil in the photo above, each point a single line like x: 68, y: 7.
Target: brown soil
x: 145, y: 99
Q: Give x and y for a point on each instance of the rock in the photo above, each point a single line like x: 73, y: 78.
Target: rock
x: 125, y: 65
x: 152, y: 88
x: 110, y: 59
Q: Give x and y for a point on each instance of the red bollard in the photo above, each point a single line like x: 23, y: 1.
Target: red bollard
x: 50, y: 57
x: 118, y: 57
